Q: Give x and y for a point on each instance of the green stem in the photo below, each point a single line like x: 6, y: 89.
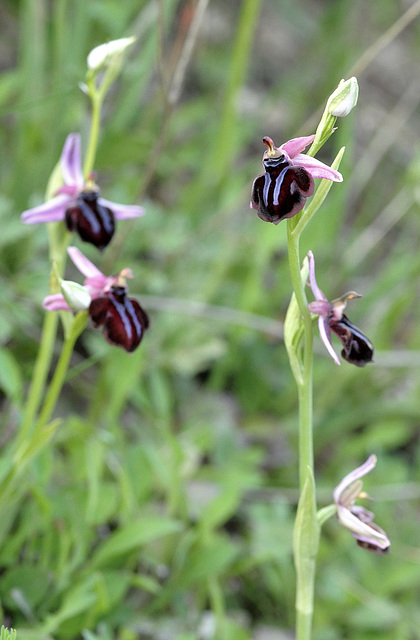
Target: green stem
x: 40, y: 373
x: 218, y: 606
x: 304, y: 561
x: 304, y: 383
x: 57, y: 250
x: 90, y: 157
x: 58, y: 378
x: 32, y: 444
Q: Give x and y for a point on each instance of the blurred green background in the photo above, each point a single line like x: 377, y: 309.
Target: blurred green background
x: 164, y: 508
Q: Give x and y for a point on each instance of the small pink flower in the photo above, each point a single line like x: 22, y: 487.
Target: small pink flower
x: 358, y: 520
x: 357, y: 349
x: 79, y: 203
x: 122, y: 318
x: 282, y: 190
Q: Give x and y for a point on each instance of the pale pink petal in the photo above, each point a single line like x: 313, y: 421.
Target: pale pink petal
x: 122, y: 211
x: 320, y: 307
x: 363, y: 531
x: 318, y: 294
x: 324, y: 332
x: 97, y: 286
x: 84, y: 265
x: 354, y: 475
x: 296, y: 145
x: 70, y: 190
x: 71, y: 161
x: 55, y: 302
x: 51, y: 211
x: 317, y: 169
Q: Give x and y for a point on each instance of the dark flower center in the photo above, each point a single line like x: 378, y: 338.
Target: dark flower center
x: 94, y: 222
x: 357, y: 349
x: 123, y: 319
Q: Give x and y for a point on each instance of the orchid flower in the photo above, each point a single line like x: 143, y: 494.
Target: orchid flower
x: 79, y: 203
x: 282, y: 190
x: 122, y: 318
x: 358, y: 520
x: 357, y: 349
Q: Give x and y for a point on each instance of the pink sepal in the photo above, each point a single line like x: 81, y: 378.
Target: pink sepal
x: 55, y: 302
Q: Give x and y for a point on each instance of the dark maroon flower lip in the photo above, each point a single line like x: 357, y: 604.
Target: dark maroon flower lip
x: 357, y: 349
x: 281, y: 191
x: 94, y: 222
x: 122, y: 319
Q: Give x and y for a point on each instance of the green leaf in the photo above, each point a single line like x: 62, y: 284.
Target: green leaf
x: 306, y: 533
x: 79, y: 599
x: 7, y: 634
x: 132, y: 536
x: 32, y: 581
x: 293, y: 330
x: 221, y: 508
x: 317, y: 200
x: 207, y: 561
x: 31, y: 448
x: 10, y: 376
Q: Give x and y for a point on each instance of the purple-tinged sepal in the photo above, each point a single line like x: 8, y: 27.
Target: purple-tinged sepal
x: 358, y: 520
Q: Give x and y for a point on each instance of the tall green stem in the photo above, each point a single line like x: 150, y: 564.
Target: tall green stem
x: 58, y: 378
x: 40, y: 373
x: 306, y: 527
x: 42, y: 433
x: 304, y: 383
x: 92, y: 147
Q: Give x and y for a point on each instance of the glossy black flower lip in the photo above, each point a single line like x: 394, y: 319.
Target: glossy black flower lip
x: 281, y: 191
x: 79, y: 203
x: 358, y: 520
x: 357, y: 349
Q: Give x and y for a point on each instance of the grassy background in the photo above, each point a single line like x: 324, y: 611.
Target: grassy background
x: 164, y: 508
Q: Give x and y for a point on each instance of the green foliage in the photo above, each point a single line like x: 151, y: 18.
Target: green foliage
x: 161, y: 505
x: 7, y: 634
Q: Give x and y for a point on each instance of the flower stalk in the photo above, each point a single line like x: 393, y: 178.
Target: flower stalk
x: 304, y: 555
x: 299, y: 343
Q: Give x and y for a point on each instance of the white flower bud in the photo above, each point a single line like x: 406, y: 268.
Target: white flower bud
x: 344, y: 98
x: 102, y: 55
x: 76, y: 295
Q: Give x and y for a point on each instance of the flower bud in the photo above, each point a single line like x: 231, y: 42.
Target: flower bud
x: 76, y: 295
x: 104, y: 54
x: 344, y: 98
